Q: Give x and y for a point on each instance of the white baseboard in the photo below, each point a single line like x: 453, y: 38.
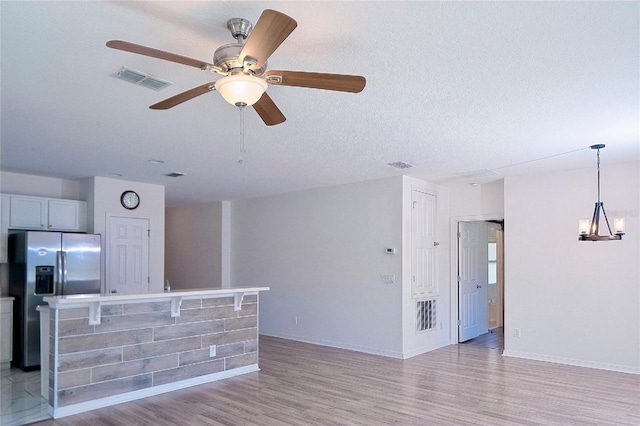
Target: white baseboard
x: 571, y: 361
x: 424, y: 350
x: 333, y: 344
x: 56, y: 413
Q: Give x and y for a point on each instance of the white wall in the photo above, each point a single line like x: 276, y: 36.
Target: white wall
x: 39, y: 186
x: 575, y: 302
x: 322, y: 252
x: 193, y: 238
x: 486, y: 200
x: 103, y: 195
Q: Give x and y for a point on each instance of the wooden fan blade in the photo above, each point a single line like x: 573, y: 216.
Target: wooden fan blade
x: 268, y: 111
x: 155, y: 53
x: 316, y: 80
x: 184, y: 96
x: 269, y: 32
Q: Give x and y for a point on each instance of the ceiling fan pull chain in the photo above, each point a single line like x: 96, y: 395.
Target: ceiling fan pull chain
x: 243, y: 150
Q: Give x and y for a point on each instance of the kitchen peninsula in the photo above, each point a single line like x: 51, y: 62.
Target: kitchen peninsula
x: 104, y: 350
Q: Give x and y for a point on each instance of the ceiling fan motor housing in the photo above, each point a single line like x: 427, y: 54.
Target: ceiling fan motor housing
x: 227, y: 58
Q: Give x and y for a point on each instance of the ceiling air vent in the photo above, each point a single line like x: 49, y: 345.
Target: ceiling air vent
x: 477, y: 173
x: 141, y: 79
x: 175, y: 174
x: 400, y: 165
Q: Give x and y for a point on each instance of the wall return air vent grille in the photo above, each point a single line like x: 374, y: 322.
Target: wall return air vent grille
x: 141, y: 79
x: 425, y: 315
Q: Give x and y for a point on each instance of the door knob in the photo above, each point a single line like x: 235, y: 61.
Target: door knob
x: 113, y: 291
x: 479, y: 286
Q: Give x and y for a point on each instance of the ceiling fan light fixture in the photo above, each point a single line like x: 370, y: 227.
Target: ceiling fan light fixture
x: 241, y: 89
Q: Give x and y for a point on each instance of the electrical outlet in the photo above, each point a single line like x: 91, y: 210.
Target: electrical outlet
x: 295, y: 320
x: 212, y: 351
x: 517, y: 333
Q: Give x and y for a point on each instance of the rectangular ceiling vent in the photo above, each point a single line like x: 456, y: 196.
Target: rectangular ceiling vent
x: 141, y: 79
x: 477, y: 173
x: 400, y: 165
x: 175, y: 174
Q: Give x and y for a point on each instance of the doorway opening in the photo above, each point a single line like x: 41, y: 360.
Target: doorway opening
x: 478, y: 286
x: 493, y: 339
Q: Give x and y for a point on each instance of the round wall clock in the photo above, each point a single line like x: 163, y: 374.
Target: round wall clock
x: 130, y: 200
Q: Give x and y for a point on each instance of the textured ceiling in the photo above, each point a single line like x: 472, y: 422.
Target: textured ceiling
x: 454, y: 88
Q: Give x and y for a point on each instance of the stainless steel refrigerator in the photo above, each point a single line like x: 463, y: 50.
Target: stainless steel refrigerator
x: 45, y: 264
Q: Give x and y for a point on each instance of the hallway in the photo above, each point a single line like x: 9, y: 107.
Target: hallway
x: 493, y: 339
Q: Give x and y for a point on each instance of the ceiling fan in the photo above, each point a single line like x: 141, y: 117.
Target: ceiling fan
x: 243, y: 66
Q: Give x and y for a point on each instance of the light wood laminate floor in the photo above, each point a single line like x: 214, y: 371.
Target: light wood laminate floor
x: 303, y: 384
x: 493, y: 339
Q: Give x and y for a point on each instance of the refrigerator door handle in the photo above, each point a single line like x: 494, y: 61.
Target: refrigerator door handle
x: 59, y: 267
x: 64, y: 272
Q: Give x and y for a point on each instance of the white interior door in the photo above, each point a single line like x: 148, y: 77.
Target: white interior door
x: 472, y: 280
x: 423, y: 244
x: 128, y: 256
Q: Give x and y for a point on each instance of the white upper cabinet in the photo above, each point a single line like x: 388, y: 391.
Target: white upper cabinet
x: 27, y: 212
x: 47, y: 214
x: 67, y: 215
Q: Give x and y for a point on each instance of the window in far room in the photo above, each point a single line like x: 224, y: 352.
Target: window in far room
x: 492, y: 264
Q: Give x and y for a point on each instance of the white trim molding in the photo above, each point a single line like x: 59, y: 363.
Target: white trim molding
x: 143, y: 393
x: 332, y: 344
x: 572, y: 361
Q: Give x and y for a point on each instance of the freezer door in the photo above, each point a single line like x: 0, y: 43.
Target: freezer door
x: 41, y: 248
x: 81, y: 264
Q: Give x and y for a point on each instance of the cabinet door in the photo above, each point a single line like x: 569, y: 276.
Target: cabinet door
x: 27, y: 212
x: 6, y: 331
x: 66, y: 215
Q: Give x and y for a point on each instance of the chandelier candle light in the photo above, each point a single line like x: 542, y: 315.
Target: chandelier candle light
x: 590, y: 231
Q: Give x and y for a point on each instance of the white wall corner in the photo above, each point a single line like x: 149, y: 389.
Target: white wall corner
x: 225, y: 261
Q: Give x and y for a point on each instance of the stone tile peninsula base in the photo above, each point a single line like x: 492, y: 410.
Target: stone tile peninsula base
x: 105, y: 350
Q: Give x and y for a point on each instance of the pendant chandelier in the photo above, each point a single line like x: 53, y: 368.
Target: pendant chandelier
x: 590, y: 231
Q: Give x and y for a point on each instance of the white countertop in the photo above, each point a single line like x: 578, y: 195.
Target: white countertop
x: 114, y: 299
x: 95, y: 301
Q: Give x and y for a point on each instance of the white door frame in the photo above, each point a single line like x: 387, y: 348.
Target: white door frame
x: 453, y: 228
x: 500, y: 276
